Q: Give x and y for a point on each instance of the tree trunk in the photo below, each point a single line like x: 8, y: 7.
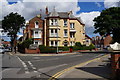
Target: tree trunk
x: 12, y: 46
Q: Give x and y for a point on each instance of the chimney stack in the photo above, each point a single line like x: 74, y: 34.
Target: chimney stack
x: 46, y: 12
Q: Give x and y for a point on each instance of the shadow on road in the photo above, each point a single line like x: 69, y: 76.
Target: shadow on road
x: 103, y: 71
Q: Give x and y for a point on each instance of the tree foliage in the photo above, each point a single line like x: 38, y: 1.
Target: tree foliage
x: 11, y: 24
x: 109, y: 23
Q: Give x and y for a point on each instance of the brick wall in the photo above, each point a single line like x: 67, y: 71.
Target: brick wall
x: 107, y: 40
x: 115, y: 63
x: 32, y: 51
x: 31, y: 26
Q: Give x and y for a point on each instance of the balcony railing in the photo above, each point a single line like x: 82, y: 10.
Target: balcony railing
x: 53, y: 35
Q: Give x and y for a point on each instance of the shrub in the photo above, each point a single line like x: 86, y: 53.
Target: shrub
x: 91, y: 46
x: 63, y: 48
x: 27, y: 43
x: 75, y: 48
x: 24, y: 44
x: 78, y: 44
x: 47, y: 49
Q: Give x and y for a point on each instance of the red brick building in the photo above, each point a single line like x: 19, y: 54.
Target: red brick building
x: 107, y: 40
x: 34, y: 29
x: 115, y: 62
x: 101, y: 41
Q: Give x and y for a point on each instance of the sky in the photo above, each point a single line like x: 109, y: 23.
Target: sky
x: 86, y: 9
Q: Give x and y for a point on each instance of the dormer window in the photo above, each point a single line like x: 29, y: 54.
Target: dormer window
x: 36, y: 24
x: 65, y: 22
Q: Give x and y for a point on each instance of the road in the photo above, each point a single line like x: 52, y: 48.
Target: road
x: 26, y: 67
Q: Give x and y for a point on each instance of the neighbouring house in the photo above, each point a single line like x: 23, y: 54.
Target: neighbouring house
x: 63, y: 29
x: 88, y: 40
x: 107, y: 40
x: 34, y: 29
x: 1, y: 33
x: 6, y: 43
x: 102, y: 41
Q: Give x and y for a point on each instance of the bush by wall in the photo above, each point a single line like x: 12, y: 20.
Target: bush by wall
x: 78, y: 44
x: 24, y: 44
x: 91, y: 46
x: 83, y: 47
x: 46, y: 49
x: 62, y: 48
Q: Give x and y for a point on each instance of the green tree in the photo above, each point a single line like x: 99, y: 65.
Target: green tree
x: 109, y: 23
x: 11, y: 24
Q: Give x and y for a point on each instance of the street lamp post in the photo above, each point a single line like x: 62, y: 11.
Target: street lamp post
x: 57, y: 38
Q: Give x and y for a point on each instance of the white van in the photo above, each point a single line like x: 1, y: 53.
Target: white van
x: 2, y: 50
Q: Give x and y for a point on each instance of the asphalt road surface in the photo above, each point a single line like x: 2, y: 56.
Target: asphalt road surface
x: 31, y: 67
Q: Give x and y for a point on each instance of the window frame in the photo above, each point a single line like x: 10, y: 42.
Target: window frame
x: 72, y: 25
x: 65, y: 22
x: 36, y: 25
x: 65, y: 33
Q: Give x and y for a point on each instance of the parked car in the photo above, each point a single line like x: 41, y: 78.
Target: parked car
x: 2, y: 50
x: 7, y: 49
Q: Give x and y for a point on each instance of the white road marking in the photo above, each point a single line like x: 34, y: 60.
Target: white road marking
x: 34, y: 68
x: 99, y: 55
x: 35, y: 71
x: 45, y: 60
x: 54, y: 58
x: 24, y: 65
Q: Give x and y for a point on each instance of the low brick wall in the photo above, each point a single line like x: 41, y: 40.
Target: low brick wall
x: 64, y: 52
x: 115, y: 64
x: 32, y: 51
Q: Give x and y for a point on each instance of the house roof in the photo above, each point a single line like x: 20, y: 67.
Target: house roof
x: 88, y: 37
x: 64, y: 15
x: 6, y: 42
x: 53, y: 13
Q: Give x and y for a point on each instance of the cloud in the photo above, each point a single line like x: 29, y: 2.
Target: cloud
x: 111, y: 3
x: 31, y: 9
x: 88, y: 18
x: 98, y: 4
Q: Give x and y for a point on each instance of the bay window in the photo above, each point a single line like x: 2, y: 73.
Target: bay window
x: 53, y: 22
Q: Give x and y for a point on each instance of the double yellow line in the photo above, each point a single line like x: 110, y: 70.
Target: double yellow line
x: 55, y: 76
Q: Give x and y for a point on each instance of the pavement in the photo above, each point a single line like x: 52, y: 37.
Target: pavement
x: 97, y: 69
